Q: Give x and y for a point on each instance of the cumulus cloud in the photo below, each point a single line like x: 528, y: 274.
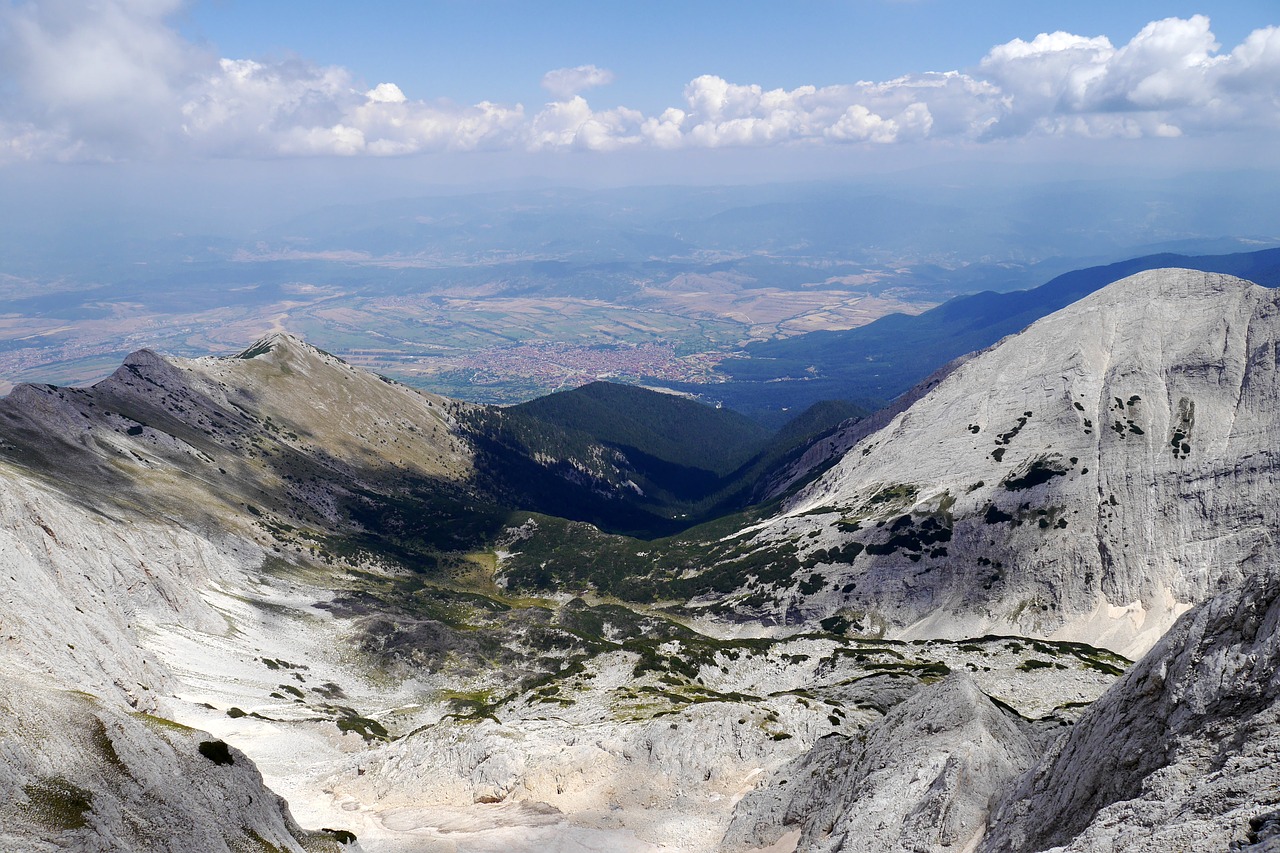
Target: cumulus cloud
x: 573, y: 124
x: 1170, y: 77
x: 564, y: 83
x: 859, y: 124
x: 295, y: 108
x: 914, y: 107
x: 90, y: 80
x: 386, y: 93
x: 113, y: 79
x: 664, y: 131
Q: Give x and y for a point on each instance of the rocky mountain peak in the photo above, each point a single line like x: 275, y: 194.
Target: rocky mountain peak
x: 282, y: 345
x: 144, y: 366
x: 1088, y: 479
x: 1169, y: 284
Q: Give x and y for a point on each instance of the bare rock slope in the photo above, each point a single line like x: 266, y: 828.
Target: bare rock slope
x: 1090, y: 478
x: 920, y: 779
x: 82, y: 774
x: 1179, y: 755
x: 89, y: 759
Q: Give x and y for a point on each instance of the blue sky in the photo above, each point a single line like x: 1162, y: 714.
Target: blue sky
x: 611, y: 92
x: 472, y: 50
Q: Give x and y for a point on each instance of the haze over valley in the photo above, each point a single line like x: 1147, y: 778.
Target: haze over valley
x: 503, y: 297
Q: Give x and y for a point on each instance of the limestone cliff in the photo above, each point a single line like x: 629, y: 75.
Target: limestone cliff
x: 1090, y: 478
x: 1178, y: 755
x: 919, y: 780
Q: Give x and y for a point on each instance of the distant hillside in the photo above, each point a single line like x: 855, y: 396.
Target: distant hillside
x: 632, y: 460
x: 886, y: 357
x: 812, y: 422
x: 665, y: 426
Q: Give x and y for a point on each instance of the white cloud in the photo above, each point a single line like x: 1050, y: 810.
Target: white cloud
x: 287, y: 107
x: 726, y: 114
x: 558, y: 124
x: 112, y: 79
x: 293, y: 108
x: 664, y: 131
x: 564, y: 83
x: 1051, y: 72
x: 953, y: 105
x: 386, y: 93
x: 1257, y: 57
x: 573, y: 124
x: 859, y: 124
x: 92, y: 80
x: 1170, y: 78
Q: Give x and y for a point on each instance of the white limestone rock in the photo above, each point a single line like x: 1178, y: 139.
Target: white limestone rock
x: 605, y: 755
x: 81, y: 587
x: 919, y: 780
x: 1179, y: 755
x: 79, y: 774
x: 1090, y: 478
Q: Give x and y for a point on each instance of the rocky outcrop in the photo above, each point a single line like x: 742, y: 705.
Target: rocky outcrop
x: 79, y: 774
x: 919, y: 780
x: 1179, y: 755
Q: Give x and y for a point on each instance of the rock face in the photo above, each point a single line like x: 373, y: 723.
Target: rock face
x: 79, y: 586
x: 920, y: 780
x: 1090, y: 478
x: 79, y: 774
x: 1179, y: 755
x: 85, y: 762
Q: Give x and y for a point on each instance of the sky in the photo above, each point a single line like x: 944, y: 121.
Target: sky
x: 486, y: 92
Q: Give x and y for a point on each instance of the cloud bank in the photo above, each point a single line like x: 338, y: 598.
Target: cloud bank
x: 113, y: 80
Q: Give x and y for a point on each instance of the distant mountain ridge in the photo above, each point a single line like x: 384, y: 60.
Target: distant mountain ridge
x: 658, y: 425
x: 886, y: 357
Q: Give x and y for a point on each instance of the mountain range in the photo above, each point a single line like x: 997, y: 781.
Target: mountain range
x: 252, y: 594
x: 888, y: 356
